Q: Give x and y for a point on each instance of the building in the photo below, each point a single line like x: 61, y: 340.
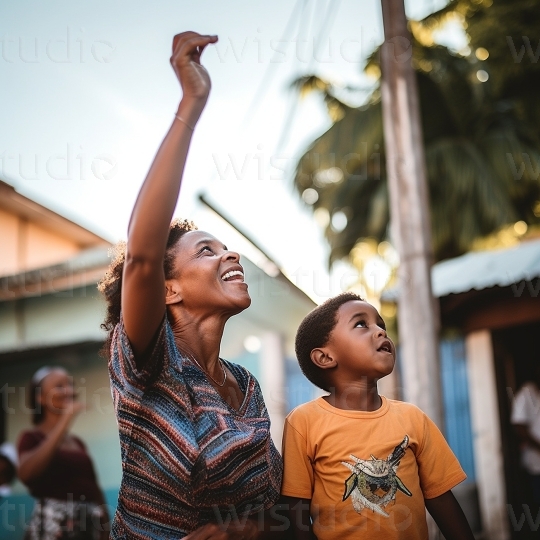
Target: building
x: 490, y: 314
x: 51, y: 311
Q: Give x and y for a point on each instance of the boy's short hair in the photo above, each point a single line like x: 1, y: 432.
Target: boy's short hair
x: 314, y: 332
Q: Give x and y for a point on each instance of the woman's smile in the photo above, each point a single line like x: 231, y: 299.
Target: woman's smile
x: 234, y: 274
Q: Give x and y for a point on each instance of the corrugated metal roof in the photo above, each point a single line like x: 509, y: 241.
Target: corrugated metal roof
x: 484, y: 269
x: 481, y: 270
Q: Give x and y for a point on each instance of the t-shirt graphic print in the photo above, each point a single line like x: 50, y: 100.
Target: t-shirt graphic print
x: 374, y: 482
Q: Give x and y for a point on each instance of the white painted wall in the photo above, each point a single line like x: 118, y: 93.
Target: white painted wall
x: 273, y: 381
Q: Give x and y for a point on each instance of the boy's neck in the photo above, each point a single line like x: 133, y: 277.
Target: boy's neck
x: 355, y: 396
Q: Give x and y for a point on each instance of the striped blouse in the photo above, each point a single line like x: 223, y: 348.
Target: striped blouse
x: 188, y: 458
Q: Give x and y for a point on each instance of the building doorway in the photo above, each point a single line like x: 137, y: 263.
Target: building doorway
x: 516, y: 357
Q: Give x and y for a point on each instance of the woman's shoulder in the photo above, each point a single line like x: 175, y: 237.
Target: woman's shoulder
x: 126, y: 368
x: 29, y: 438
x: 33, y: 433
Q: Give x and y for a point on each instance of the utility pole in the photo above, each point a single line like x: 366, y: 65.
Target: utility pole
x: 418, y: 314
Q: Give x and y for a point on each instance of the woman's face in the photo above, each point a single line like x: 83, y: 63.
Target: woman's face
x: 208, y: 277
x: 57, y: 391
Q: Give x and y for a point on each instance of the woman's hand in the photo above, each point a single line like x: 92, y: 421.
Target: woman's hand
x: 186, y: 62
x: 72, y: 411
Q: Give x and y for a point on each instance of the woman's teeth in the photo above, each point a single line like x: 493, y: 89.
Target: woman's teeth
x: 232, y: 274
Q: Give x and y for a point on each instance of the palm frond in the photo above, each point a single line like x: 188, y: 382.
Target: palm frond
x: 307, y: 84
x: 465, y: 201
x: 482, y: 140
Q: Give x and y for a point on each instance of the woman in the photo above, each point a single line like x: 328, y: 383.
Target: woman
x: 56, y: 467
x: 197, y: 457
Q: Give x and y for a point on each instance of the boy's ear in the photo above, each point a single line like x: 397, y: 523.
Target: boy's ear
x: 173, y: 294
x: 323, y: 359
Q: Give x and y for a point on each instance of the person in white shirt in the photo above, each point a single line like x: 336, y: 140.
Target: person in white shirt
x: 526, y: 420
x: 8, y: 468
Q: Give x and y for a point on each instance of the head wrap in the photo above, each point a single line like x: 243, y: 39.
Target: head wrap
x: 42, y: 372
x: 8, y: 451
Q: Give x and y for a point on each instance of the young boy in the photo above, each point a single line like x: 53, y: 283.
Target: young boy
x: 358, y: 465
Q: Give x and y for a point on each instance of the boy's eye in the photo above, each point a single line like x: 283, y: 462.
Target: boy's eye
x: 206, y: 248
x: 361, y: 323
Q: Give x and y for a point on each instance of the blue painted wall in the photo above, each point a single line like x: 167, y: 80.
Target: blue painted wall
x: 456, y: 403
x: 299, y: 390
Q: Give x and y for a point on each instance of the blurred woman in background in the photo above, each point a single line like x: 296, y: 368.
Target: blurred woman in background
x: 56, y: 467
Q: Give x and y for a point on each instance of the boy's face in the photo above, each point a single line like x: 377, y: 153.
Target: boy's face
x: 359, y: 344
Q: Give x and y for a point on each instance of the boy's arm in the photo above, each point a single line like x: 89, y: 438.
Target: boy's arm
x: 449, y: 517
x: 299, y: 518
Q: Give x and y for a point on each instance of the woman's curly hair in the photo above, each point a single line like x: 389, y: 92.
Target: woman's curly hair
x: 111, y: 284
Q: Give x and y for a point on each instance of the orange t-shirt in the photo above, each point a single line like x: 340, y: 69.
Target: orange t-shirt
x: 367, y: 473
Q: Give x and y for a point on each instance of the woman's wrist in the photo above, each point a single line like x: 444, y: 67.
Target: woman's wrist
x: 190, y: 110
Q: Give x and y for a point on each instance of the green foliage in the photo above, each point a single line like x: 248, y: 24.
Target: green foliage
x: 510, y: 31
x: 482, y: 139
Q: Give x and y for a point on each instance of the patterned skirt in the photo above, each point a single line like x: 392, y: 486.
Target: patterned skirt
x: 64, y: 520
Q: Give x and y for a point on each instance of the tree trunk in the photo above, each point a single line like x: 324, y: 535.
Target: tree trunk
x: 418, y: 317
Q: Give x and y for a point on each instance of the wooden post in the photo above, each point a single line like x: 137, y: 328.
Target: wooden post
x: 418, y: 317
x: 488, y: 457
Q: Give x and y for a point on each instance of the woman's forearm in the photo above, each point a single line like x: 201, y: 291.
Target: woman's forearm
x: 153, y: 210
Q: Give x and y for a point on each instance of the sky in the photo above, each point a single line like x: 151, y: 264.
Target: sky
x: 88, y: 93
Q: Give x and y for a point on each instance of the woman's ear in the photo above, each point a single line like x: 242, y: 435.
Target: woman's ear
x: 323, y: 359
x: 172, y: 292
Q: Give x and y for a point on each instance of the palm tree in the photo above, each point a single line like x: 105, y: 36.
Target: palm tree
x: 480, y: 127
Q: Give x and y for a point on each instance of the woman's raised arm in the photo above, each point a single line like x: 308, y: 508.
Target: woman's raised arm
x: 33, y: 463
x: 143, y: 283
